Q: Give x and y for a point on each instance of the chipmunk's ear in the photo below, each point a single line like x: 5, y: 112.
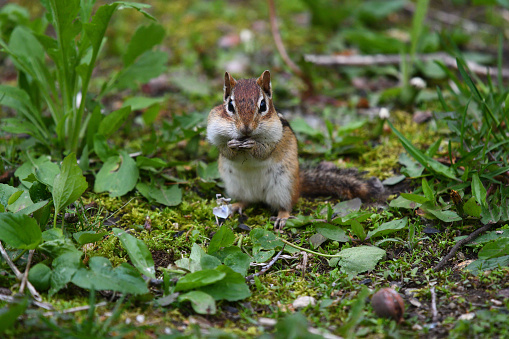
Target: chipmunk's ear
x: 229, y: 83
x: 264, y: 82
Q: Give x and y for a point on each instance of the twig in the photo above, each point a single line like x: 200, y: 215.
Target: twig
x: 434, y: 312
x: 265, y: 268
x: 11, y: 299
x: 27, y: 268
x: 310, y: 251
x: 18, y: 274
x: 75, y: 309
x: 460, y: 243
x: 281, y: 48
x: 394, y: 59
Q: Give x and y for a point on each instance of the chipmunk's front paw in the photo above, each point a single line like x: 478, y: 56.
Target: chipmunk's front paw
x: 235, y: 144
x: 248, y: 143
x: 280, y: 222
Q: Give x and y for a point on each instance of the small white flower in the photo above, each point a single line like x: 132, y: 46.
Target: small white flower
x: 384, y: 113
x: 418, y: 83
x: 140, y: 318
x: 78, y: 99
x: 246, y: 36
x: 222, y: 211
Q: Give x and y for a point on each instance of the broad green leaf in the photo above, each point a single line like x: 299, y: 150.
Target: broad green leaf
x: 360, y: 259
x: 262, y: 256
x: 138, y: 252
x: 69, y: 184
x: 358, y: 230
x: 388, y: 228
x: 138, y: 103
x: 46, y: 173
x: 40, y: 276
x: 198, y: 279
x: 414, y: 197
x: 332, y: 232
x: 149, y: 65
x: 471, y: 208
x: 19, y: 231
x: 193, y: 263
x: 87, y: 237
x: 112, y: 122
x: 401, y: 202
x: 344, y: 208
x: 33, y: 208
x: 9, y: 314
x: 478, y: 190
x: 487, y: 264
x: 39, y: 191
x: 232, y: 287
x: 96, y: 29
x: 447, y: 216
x: 497, y: 248
x: 118, y: 175
x: 24, y: 171
x: 19, y: 203
x: 394, y: 180
x: 201, y: 302
x: 295, y: 326
x: 166, y: 196
x: 226, y: 251
x: 101, y: 148
x: 150, y: 163
x: 224, y: 237
x: 265, y: 239
x: 209, y: 262
x: 64, y: 268
x: 490, y: 214
x: 239, y: 262
x: 6, y: 192
x: 144, y: 39
x: 13, y: 198
x: 102, y: 276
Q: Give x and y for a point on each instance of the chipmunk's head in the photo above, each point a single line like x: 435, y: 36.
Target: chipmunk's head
x: 248, y: 103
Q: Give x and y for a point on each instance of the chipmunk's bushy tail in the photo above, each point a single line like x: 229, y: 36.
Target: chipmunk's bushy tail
x: 328, y: 180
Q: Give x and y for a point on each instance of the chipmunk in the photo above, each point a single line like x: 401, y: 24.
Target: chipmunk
x: 258, y: 159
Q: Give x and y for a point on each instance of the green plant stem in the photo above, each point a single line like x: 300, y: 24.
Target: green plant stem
x: 19, y: 255
x: 310, y: 251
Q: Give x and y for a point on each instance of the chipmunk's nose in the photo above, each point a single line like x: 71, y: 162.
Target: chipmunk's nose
x: 246, y: 131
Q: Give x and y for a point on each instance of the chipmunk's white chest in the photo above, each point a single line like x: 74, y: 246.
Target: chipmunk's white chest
x: 249, y: 180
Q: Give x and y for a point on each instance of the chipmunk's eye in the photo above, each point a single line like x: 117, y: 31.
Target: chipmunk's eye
x: 263, y: 106
x: 231, y: 109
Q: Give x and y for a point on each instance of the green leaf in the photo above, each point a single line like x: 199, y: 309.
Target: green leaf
x: 138, y: 252
x: 166, y: 196
x: 139, y: 103
x: 487, y: 264
x: 6, y: 192
x: 471, y: 208
x: 149, y: 65
x: 447, y: 216
x: 64, y: 268
x: 144, y: 39
x: 209, y: 262
x: 150, y: 163
x: 9, y: 314
x: 294, y: 326
x: 201, y: 302
x: 232, y: 287
x: 494, y: 249
x: 388, y: 228
x: 423, y: 159
x: 19, y: 231
x: 87, y: 237
x: 428, y: 192
x: 69, y: 184
x: 118, y: 175
x: 193, y: 263
x: 224, y: 237
x: 198, y: 279
x: 239, y: 262
x: 46, y: 172
x: 265, y: 239
x: 40, y: 276
x: 478, y: 190
x: 414, y: 197
x: 39, y: 191
x: 332, y: 232
x: 102, y: 276
x: 358, y: 230
x: 112, y: 122
x: 401, y: 202
x: 360, y: 259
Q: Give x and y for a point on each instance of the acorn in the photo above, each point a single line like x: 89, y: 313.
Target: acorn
x: 387, y: 303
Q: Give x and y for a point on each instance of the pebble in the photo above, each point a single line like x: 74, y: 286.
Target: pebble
x: 304, y: 301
